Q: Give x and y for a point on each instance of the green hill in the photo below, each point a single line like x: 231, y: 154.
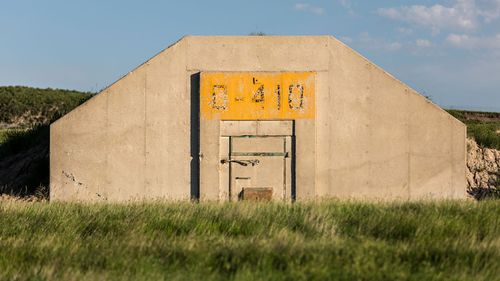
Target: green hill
x: 22, y: 107
x: 25, y: 115
x: 484, y: 127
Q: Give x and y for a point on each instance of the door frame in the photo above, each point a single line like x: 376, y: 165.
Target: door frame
x: 230, y: 129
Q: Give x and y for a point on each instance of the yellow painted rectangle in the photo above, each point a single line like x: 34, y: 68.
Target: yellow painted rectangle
x: 257, y: 95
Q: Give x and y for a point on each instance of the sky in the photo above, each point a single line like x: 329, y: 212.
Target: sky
x: 448, y: 50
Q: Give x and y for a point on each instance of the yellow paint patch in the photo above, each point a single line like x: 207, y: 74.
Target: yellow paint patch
x: 257, y: 95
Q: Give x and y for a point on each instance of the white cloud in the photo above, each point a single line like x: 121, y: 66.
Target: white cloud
x: 459, y: 16
x: 405, y: 30
x: 345, y: 3
x: 457, y: 40
x: 304, y: 7
x: 463, y: 15
x: 375, y: 43
x: 423, y: 43
x: 393, y: 46
x: 490, y: 9
x: 465, y: 41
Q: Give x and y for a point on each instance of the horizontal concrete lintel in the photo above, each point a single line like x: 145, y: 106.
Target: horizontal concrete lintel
x: 256, y: 128
x: 195, y: 70
x: 254, y: 136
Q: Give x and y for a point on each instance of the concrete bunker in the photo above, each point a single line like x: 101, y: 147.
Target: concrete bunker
x: 261, y: 118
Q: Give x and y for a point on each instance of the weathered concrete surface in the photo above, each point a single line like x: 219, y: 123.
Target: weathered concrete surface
x: 373, y: 137
x: 130, y: 141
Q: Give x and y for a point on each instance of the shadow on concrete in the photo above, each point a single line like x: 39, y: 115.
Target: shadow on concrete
x: 195, y: 136
x: 294, y: 148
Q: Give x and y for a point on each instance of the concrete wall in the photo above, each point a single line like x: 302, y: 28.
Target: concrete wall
x: 378, y: 138
x: 373, y: 137
x: 131, y: 141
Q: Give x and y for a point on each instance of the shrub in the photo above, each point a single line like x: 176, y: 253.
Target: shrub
x: 25, y: 106
x: 483, y: 127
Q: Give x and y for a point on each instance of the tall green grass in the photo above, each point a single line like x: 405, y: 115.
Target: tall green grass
x: 305, y: 241
x: 484, y: 127
x: 14, y: 141
x: 487, y: 134
x: 3, y: 135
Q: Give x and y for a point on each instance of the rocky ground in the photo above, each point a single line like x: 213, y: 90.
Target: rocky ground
x: 483, y: 166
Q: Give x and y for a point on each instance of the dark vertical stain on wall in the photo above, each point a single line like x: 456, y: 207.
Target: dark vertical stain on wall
x: 294, y: 145
x: 195, y: 136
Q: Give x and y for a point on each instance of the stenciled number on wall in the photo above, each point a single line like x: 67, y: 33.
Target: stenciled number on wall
x: 219, y: 97
x: 278, y: 96
x: 257, y: 95
x: 296, y: 96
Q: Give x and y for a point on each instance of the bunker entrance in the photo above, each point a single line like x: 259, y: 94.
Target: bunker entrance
x: 256, y: 160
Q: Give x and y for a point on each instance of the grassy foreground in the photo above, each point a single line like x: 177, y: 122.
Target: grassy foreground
x: 306, y: 241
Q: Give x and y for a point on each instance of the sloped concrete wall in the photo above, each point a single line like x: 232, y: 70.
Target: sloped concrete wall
x: 131, y: 141
x: 377, y: 138
x: 373, y: 137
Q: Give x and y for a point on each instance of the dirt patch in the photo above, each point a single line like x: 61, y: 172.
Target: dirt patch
x: 481, y: 116
x: 14, y: 199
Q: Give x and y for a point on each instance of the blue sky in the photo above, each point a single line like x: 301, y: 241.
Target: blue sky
x: 449, y: 50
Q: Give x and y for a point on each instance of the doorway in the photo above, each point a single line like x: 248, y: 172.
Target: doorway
x: 256, y: 160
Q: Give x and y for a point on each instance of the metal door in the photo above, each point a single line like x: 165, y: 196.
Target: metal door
x: 258, y: 166
x: 256, y: 159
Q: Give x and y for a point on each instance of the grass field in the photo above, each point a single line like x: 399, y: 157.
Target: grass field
x: 250, y: 241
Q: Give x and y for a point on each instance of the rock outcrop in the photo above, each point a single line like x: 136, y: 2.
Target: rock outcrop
x: 483, y: 165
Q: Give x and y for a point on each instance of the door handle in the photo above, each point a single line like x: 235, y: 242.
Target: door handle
x: 241, y: 162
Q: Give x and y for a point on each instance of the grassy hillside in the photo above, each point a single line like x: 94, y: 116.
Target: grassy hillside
x: 306, y: 241
x: 25, y: 114
x: 25, y: 106
x: 484, y: 127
